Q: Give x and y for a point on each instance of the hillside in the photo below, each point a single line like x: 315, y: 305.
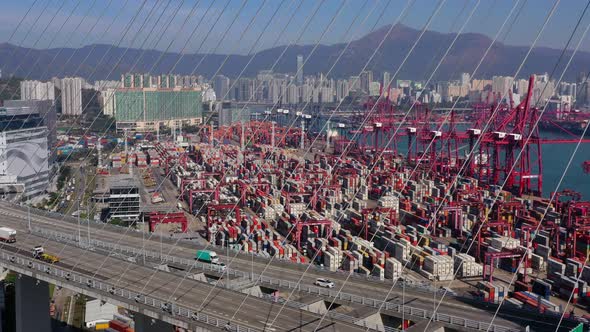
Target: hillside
x: 103, y: 61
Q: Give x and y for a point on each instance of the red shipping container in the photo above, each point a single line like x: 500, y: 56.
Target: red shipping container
x: 118, y: 326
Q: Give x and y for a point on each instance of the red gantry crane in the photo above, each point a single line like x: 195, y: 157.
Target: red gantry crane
x: 513, y: 133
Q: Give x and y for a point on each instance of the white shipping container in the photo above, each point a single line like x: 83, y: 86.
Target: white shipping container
x: 393, y: 268
x: 329, y: 261
x: 441, y: 267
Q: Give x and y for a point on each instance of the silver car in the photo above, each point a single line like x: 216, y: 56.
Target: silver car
x: 322, y: 282
x: 219, y: 266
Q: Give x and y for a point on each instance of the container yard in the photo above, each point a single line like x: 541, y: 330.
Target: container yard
x: 373, y: 211
x: 278, y: 202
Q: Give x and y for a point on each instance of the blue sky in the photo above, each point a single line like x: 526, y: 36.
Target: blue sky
x: 107, y: 21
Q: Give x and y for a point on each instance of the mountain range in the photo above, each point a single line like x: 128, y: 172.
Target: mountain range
x: 99, y: 61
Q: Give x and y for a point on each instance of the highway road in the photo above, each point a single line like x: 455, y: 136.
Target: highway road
x: 222, y: 303
x: 15, y: 217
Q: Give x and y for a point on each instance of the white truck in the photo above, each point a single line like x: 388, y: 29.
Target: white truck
x: 7, y: 235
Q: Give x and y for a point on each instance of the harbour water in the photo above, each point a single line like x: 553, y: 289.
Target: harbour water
x: 555, y: 159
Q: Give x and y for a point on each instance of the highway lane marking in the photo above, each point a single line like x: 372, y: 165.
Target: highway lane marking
x: 267, y: 325
x: 129, y: 276
x: 45, y: 222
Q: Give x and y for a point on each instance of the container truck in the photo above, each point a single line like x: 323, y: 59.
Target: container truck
x: 207, y: 256
x: 39, y: 253
x: 7, y: 235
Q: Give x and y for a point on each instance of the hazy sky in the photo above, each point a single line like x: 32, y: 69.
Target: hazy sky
x: 159, y: 24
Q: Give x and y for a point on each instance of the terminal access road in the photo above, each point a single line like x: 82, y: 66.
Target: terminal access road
x: 255, y: 313
x: 16, y: 217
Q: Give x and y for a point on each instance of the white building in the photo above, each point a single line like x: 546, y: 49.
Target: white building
x: 36, y: 90
x: 24, y: 151
x: 374, y: 88
x: 107, y: 100
x: 543, y: 90
x: 292, y: 94
x: 327, y: 94
x: 522, y: 86
x: 103, y: 85
x: 71, y: 95
x: 386, y: 79
x: 300, y: 69
x: 501, y: 85
x: 99, y: 312
x: 465, y: 79
x: 209, y: 95
x: 221, y: 87
x: 24, y: 162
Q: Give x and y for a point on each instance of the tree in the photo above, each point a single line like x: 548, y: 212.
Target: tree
x: 64, y: 173
x: 118, y: 222
x: 10, y: 88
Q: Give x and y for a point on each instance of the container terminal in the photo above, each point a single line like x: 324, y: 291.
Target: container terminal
x: 358, y: 201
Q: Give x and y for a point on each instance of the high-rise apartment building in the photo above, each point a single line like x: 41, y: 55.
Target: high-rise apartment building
x: 221, y: 87
x: 292, y: 94
x: 71, y: 96
x: 36, y: 90
x: 542, y: 92
x: 163, y: 81
x: 306, y: 93
x: 521, y: 86
x: 107, y: 101
x: 567, y: 89
x: 244, y: 89
x: 386, y: 80
x: 481, y: 85
x: 366, y: 79
x: 326, y: 94
x: 341, y: 90
x: 465, y: 78
x: 501, y: 85
x: 354, y: 83
x: 374, y: 88
x: 274, y: 92
x: 582, y: 89
x: 300, y: 69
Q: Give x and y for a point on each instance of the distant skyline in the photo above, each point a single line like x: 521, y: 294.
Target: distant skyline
x: 486, y: 20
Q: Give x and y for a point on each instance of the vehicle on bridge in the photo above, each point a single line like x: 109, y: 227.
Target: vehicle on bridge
x: 207, y: 256
x: 220, y: 266
x: 39, y: 253
x: 323, y: 282
x: 7, y: 235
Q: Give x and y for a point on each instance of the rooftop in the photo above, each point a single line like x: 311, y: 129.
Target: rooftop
x: 98, y: 311
x: 122, y: 181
